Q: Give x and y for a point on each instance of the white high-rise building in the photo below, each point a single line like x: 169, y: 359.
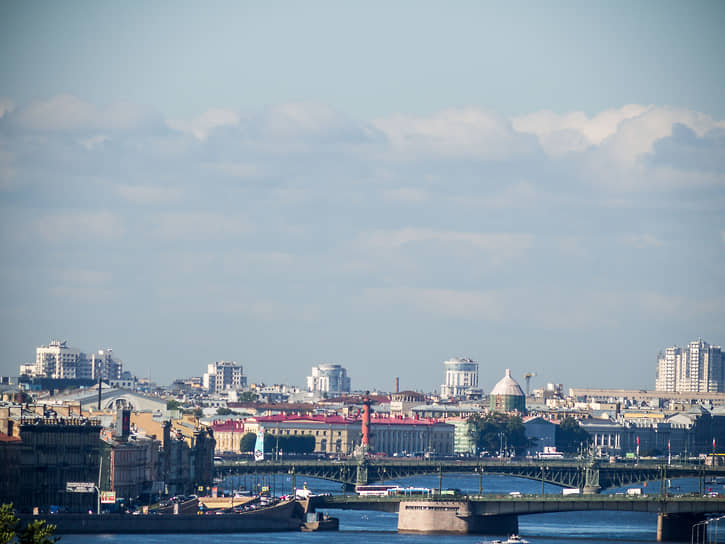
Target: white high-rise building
x: 224, y: 375
x: 697, y: 368
x: 461, y: 377
x: 329, y: 378
x: 57, y: 360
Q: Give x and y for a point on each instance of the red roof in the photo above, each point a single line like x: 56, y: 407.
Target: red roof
x: 230, y: 425
x: 9, y: 439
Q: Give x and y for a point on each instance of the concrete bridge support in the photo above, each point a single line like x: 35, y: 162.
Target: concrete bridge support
x: 452, y: 517
x: 678, y: 527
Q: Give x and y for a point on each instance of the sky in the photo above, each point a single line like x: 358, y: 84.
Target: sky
x: 537, y: 186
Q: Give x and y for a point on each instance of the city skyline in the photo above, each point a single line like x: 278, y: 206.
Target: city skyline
x: 535, y: 187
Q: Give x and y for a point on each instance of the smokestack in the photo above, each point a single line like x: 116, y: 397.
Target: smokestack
x: 397, y: 384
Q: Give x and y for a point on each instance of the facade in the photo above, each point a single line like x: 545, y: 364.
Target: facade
x: 329, y: 378
x: 228, y: 435
x: 399, y: 435
x: 461, y: 377
x: 333, y: 434
x: 342, y: 435
x: 57, y: 360
x: 56, y: 451
x: 224, y: 376
x: 507, y: 395
x: 542, y: 431
x: 697, y: 368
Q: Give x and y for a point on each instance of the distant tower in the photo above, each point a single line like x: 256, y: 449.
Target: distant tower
x: 461, y: 376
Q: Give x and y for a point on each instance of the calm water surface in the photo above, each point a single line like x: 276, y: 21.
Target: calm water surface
x: 381, y: 528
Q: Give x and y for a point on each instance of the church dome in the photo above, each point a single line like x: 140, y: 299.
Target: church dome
x: 507, y: 386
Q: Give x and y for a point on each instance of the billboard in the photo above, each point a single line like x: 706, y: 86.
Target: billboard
x: 108, y: 497
x: 259, y: 446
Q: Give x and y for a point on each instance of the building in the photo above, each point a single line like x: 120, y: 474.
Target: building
x: 329, y: 378
x: 333, y: 434
x: 697, y: 368
x: 507, y: 395
x: 541, y: 431
x: 224, y: 376
x: 228, y: 435
x: 461, y: 378
x: 56, y: 360
x: 407, y: 435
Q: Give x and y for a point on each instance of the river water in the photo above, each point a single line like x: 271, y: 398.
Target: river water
x: 358, y: 527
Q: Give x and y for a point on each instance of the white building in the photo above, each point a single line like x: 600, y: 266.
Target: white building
x: 57, y: 360
x: 223, y: 376
x: 461, y: 377
x: 697, y: 368
x: 329, y: 378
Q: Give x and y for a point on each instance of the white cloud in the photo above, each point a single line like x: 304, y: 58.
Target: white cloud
x: 148, y: 194
x: 199, y: 226
x: 505, y: 243
x: 410, y: 195
x: 69, y: 113
x: 642, y: 241
x: 79, y: 225
x: 574, y: 131
x: 455, y: 133
x: 6, y: 106
x: 201, y: 126
x: 624, y: 133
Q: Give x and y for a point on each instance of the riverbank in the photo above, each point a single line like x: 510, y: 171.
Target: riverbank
x: 285, y: 516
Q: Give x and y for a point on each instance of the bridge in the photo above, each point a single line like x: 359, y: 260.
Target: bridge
x: 591, y: 476
x: 490, y: 514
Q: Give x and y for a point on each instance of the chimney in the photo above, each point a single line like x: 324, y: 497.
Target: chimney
x: 397, y: 385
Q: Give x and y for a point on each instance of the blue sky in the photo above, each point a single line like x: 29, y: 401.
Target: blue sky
x: 538, y: 187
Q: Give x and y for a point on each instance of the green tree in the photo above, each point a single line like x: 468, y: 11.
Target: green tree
x: 223, y: 411
x: 570, y: 435
x: 173, y: 404
x: 496, y: 431
x: 247, y: 396
x: 248, y: 441
x: 35, y: 532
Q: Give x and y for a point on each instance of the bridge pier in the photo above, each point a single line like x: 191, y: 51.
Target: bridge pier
x: 452, y: 517
x: 678, y: 527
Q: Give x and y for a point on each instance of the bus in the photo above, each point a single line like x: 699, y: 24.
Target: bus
x: 415, y: 491
x: 380, y: 490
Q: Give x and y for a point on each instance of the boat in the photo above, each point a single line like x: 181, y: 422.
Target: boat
x: 515, y: 539
x: 320, y: 522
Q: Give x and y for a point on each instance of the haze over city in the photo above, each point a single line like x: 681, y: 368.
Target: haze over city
x: 536, y: 187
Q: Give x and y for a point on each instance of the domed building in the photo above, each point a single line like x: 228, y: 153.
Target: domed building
x: 507, y: 395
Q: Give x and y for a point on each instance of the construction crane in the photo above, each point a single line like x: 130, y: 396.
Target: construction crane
x: 528, y: 377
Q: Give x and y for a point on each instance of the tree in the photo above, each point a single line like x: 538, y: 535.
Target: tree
x: 570, y: 435
x: 224, y: 411
x: 173, y: 404
x: 248, y: 441
x: 247, y: 396
x: 35, y: 532
x: 496, y: 432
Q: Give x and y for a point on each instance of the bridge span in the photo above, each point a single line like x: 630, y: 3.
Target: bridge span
x: 495, y: 515
x: 588, y: 475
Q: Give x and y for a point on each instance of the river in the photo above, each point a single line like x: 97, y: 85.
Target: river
x: 381, y: 528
